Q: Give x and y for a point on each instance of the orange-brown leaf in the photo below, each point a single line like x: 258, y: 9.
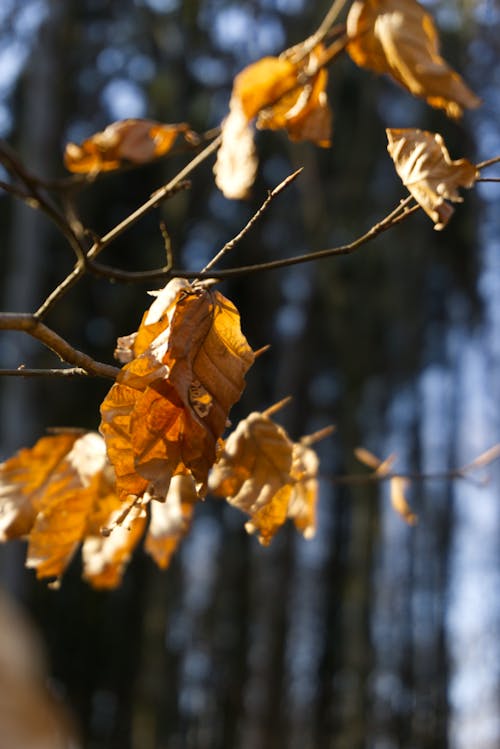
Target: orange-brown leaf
x: 171, y: 520
x: 236, y: 165
x: 263, y: 83
x: 24, y: 479
x: 398, y: 37
x: 398, y: 487
x: 64, y: 506
x: 426, y: 169
x: 254, y: 473
x: 302, y: 507
x: 303, y: 112
x: 105, y: 555
x: 133, y: 140
x: 177, y: 390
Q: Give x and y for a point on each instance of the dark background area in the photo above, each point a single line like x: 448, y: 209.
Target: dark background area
x: 373, y: 634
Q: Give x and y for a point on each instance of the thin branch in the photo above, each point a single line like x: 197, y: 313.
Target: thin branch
x: 400, y: 213
x: 29, y: 324
x: 488, y: 162
x: 377, y: 476
x: 257, y: 215
x: 325, y: 26
x: 36, y: 200
x: 176, y: 183
x: 23, y: 371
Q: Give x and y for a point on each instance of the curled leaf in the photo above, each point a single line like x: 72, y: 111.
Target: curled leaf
x: 302, y: 506
x: 171, y: 520
x: 167, y: 411
x: 264, y: 474
x: 66, y: 503
x: 283, y: 93
x: 106, y: 554
x: 398, y: 37
x: 398, y: 487
x: 24, y: 478
x: 253, y: 473
x: 135, y: 141
x: 236, y: 164
x: 426, y: 169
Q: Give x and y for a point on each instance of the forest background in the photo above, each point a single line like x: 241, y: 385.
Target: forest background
x: 374, y: 633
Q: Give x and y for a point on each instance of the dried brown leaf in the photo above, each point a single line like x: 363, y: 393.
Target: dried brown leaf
x: 398, y: 37
x: 170, y: 520
x: 65, y: 505
x: 254, y: 474
x: 135, y: 141
x: 302, y: 505
x: 24, y: 478
x: 426, y: 169
x: 106, y: 553
x: 236, y: 165
x: 398, y: 487
x: 177, y: 391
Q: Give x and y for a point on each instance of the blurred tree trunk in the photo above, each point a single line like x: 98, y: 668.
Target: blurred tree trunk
x: 28, y: 243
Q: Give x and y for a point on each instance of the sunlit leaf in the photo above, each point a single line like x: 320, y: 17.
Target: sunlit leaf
x: 283, y: 93
x: 135, y: 141
x: 171, y: 520
x: 108, y: 544
x: 398, y: 37
x: 63, y: 508
x: 24, y: 478
x: 254, y: 474
x: 302, y: 505
x: 169, y: 407
x: 426, y: 169
x: 398, y: 487
x: 236, y: 164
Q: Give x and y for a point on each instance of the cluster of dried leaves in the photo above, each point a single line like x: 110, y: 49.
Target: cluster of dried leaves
x: 160, y: 447
x: 161, y: 435
x: 289, y: 92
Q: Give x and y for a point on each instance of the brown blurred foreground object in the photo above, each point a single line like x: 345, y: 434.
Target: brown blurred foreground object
x: 29, y: 716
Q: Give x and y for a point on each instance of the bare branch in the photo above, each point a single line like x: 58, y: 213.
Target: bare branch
x: 257, y: 215
x: 488, y: 162
x: 176, y: 183
x: 23, y: 371
x: 29, y: 324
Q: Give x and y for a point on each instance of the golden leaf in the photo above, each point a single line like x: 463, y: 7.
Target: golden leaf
x: 284, y: 93
x: 426, y: 169
x: 398, y: 37
x: 63, y: 508
x: 105, y: 552
x: 398, y: 486
x: 236, y: 164
x: 303, y: 112
x: 263, y: 83
x: 24, y: 479
x: 302, y: 506
x: 171, y: 520
x: 134, y: 140
x: 254, y: 473
x: 169, y: 407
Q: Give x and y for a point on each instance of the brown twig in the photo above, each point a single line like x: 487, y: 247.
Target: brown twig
x: 256, y: 216
x: 23, y: 371
x: 174, y: 185
x: 400, y: 213
x: 488, y: 162
x: 29, y: 324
